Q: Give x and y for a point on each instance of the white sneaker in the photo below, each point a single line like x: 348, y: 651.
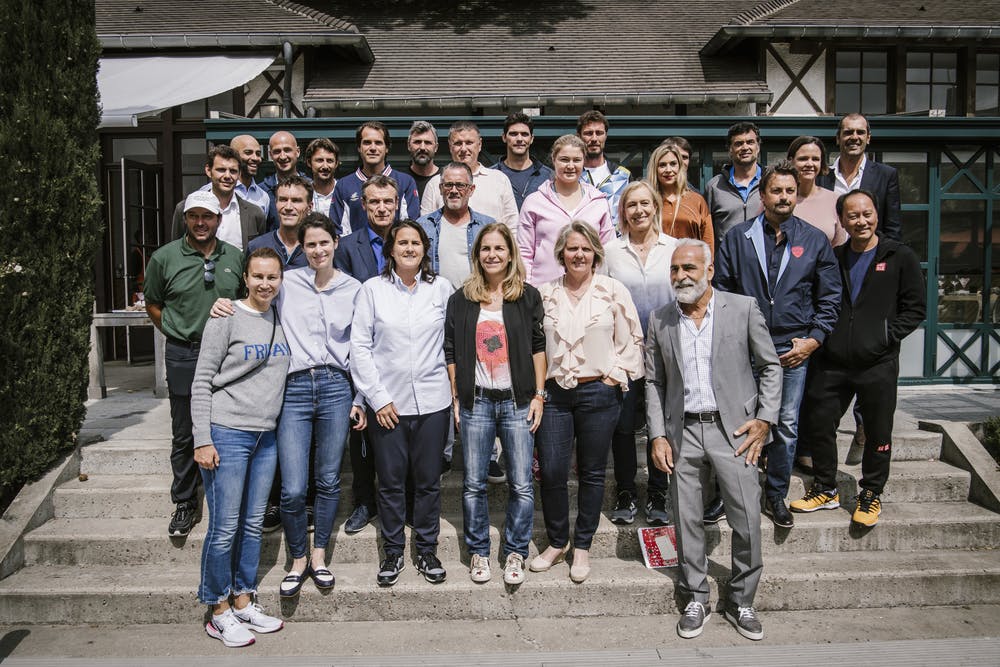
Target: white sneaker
x: 227, y: 627
x: 479, y: 570
x: 513, y: 570
x: 253, y: 617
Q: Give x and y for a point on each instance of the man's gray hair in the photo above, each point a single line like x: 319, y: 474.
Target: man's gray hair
x: 696, y: 243
x: 422, y: 126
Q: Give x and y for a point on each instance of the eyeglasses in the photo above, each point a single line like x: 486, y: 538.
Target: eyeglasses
x: 209, y: 274
x: 461, y: 187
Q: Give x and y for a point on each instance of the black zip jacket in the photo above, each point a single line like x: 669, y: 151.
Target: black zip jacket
x: 891, y: 304
x: 522, y: 320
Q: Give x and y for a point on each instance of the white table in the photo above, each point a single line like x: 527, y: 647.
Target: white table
x: 97, y: 387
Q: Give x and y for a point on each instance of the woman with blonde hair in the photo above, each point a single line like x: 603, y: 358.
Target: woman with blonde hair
x: 554, y: 205
x: 640, y: 260
x: 685, y: 212
x: 593, y: 346
x: 494, y: 346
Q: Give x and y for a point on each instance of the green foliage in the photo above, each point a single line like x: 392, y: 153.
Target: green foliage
x: 991, y: 437
x: 49, y: 227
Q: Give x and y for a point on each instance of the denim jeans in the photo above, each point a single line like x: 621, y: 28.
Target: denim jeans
x: 317, y: 408
x: 479, y: 427
x: 781, y: 451
x: 623, y: 444
x: 587, y: 413
x: 236, y: 493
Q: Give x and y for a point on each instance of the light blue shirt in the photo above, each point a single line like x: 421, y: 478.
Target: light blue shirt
x: 397, y: 345
x: 317, y: 323
x: 696, y: 346
x: 744, y: 190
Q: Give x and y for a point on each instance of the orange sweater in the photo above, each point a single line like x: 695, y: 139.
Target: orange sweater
x: 694, y: 221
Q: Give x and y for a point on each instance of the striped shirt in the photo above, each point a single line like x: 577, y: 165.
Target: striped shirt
x: 696, y: 351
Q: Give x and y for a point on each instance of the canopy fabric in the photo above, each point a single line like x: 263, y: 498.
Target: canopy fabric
x: 134, y: 86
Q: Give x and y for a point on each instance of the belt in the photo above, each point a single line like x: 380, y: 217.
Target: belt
x: 703, y: 417
x: 190, y: 345
x: 495, y: 394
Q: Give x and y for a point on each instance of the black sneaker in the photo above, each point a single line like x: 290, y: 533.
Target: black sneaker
x: 776, y: 509
x: 272, y: 518
x: 496, y: 475
x: 715, y: 511
x: 182, y: 520
x: 625, y: 509
x: 745, y: 620
x: 656, y: 509
x: 388, y: 571
x: 429, y: 566
x: 310, y: 519
x: 445, y: 466
x: 358, y: 520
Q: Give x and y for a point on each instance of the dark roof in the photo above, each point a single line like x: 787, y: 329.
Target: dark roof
x: 533, y: 53
x: 931, y: 20
x: 170, y: 24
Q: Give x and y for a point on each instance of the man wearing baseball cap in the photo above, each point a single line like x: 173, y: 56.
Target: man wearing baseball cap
x: 183, y: 280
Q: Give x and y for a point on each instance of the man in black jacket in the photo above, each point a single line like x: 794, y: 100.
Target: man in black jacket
x: 884, y: 300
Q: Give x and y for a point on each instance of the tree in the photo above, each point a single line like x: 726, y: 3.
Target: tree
x: 49, y: 227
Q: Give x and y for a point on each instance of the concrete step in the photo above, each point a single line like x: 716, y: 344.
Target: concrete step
x: 909, y: 481
x: 166, y: 593
x: 907, y: 445
x: 903, y: 527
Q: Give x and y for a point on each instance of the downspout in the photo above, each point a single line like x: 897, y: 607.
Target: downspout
x: 287, y: 52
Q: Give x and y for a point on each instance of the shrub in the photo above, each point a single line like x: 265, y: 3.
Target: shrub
x: 49, y: 227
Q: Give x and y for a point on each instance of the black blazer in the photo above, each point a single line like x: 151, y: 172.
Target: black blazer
x: 251, y: 221
x: 882, y: 181
x: 355, y: 257
x: 522, y: 320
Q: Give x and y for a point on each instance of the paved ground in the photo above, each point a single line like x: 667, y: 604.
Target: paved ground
x: 958, y: 403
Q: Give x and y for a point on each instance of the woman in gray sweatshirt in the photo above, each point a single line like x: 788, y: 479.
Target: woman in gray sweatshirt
x: 235, y: 401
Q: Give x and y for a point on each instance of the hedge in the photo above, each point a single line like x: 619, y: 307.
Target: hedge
x: 49, y: 227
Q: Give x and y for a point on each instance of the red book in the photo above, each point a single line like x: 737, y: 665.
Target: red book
x: 659, y: 546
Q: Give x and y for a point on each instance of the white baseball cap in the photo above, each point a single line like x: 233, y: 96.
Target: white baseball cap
x: 202, y: 199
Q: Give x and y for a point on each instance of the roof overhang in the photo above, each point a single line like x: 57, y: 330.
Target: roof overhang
x: 729, y: 36
x: 235, y: 40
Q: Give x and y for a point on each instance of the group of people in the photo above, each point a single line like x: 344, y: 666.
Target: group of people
x: 539, y: 314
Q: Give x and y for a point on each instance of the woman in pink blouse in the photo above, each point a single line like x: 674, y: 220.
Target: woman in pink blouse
x: 814, y: 204
x: 593, y: 346
x: 550, y: 208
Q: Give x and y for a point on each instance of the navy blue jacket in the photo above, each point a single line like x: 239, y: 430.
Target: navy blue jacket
x: 882, y: 181
x: 355, y: 257
x: 806, y: 299
x: 348, y: 211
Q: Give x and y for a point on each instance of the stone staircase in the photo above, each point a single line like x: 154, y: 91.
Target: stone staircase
x: 105, y: 558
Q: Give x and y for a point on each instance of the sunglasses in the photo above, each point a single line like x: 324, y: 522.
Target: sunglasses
x: 209, y: 274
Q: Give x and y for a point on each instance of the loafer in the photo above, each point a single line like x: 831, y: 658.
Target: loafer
x: 778, y: 511
x: 715, y: 511
x: 322, y: 577
x: 292, y: 583
x: 359, y: 518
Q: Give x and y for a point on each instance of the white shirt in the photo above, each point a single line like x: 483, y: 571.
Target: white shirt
x: 649, y: 283
x: 317, y: 324
x: 597, y: 174
x: 230, y: 229
x: 492, y: 351
x: 322, y: 203
x: 397, y: 345
x: 494, y: 196
x: 841, y: 186
x: 696, y: 351
x: 453, y: 252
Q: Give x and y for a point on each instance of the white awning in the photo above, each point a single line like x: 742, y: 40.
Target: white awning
x: 134, y: 86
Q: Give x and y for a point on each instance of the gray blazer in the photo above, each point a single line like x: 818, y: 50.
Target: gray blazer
x: 252, y: 221
x: 741, y: 345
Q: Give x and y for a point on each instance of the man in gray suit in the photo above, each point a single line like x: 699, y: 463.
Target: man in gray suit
x: 241, y: 220
x: 705, y: 409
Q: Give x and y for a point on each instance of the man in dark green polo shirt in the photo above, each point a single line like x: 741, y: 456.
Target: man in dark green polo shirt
x: 183, y: 280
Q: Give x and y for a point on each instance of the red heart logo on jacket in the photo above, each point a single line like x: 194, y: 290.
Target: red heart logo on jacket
x: 797, y: 251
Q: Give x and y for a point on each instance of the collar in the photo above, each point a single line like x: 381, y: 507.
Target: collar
x: 373, y: 236
x: 753, y: 181
x: 361, y: 175
x: 398, y: 282
x: 708, y: 311
x: 861, y: 167
x: 188, y: 249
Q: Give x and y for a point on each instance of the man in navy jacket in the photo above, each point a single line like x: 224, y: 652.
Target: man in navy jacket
x: 884, y: 300
x: 788, y: 266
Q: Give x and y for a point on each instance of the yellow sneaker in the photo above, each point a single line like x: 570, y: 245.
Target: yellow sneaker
x: 816, y: 499
x: 869, y: 507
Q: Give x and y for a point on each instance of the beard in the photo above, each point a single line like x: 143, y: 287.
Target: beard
x: 689, y: 291
x: 421, y: 158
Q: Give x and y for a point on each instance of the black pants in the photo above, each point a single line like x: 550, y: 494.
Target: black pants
x: 180, y: 361
x: 415, y: 445
x: 623, y: 444
x: 363, y: 469
x: 829, y: 390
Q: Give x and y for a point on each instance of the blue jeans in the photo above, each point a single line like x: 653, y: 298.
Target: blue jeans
x: 317, y: 408
x: 236, y: 493
x: 480, y: 426
x: 781, y: 451
x: 587, y: 414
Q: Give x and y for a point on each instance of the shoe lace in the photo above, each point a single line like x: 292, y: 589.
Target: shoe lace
x: 478, y: 562
x: 515, y: 561
x: 624, y: 500
x: 225, y: 621
x: 694, y: 609
x: 868, y: 501
x: 388, y: 563
x: 252, y: 609
x: 747, y: 613
x: 659, y: 501
x: 816, y: 492
x: 430, y: 561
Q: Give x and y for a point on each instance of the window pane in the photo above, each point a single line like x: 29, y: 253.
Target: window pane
x: 194, y: 109
x: 945, y: 70
x: 914, y: 225
x: 918, y: 66
x: 943, y: 97
x: 873, y: 98
x: 988, y: 68
x: 986, y: 101
x: 918, y: 98
x: 977, y: 169
x: 912, y: 168
x: 875, y: 69
x: 994, y: 314
x: 962, y: 227
x: 221, y: 102
x: 846, y: 98
x: 848, y: 66
x: 193, y: 156
x: 142, y: 149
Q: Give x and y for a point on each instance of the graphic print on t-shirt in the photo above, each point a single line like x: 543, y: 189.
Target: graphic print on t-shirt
x: 492, y: 367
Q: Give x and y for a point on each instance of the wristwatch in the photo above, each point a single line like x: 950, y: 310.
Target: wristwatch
x: 541, y: 393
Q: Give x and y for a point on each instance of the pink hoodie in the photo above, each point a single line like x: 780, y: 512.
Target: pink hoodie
x: 543, y: 217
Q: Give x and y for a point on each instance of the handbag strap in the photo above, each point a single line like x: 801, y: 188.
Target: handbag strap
x: 267, y: 354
